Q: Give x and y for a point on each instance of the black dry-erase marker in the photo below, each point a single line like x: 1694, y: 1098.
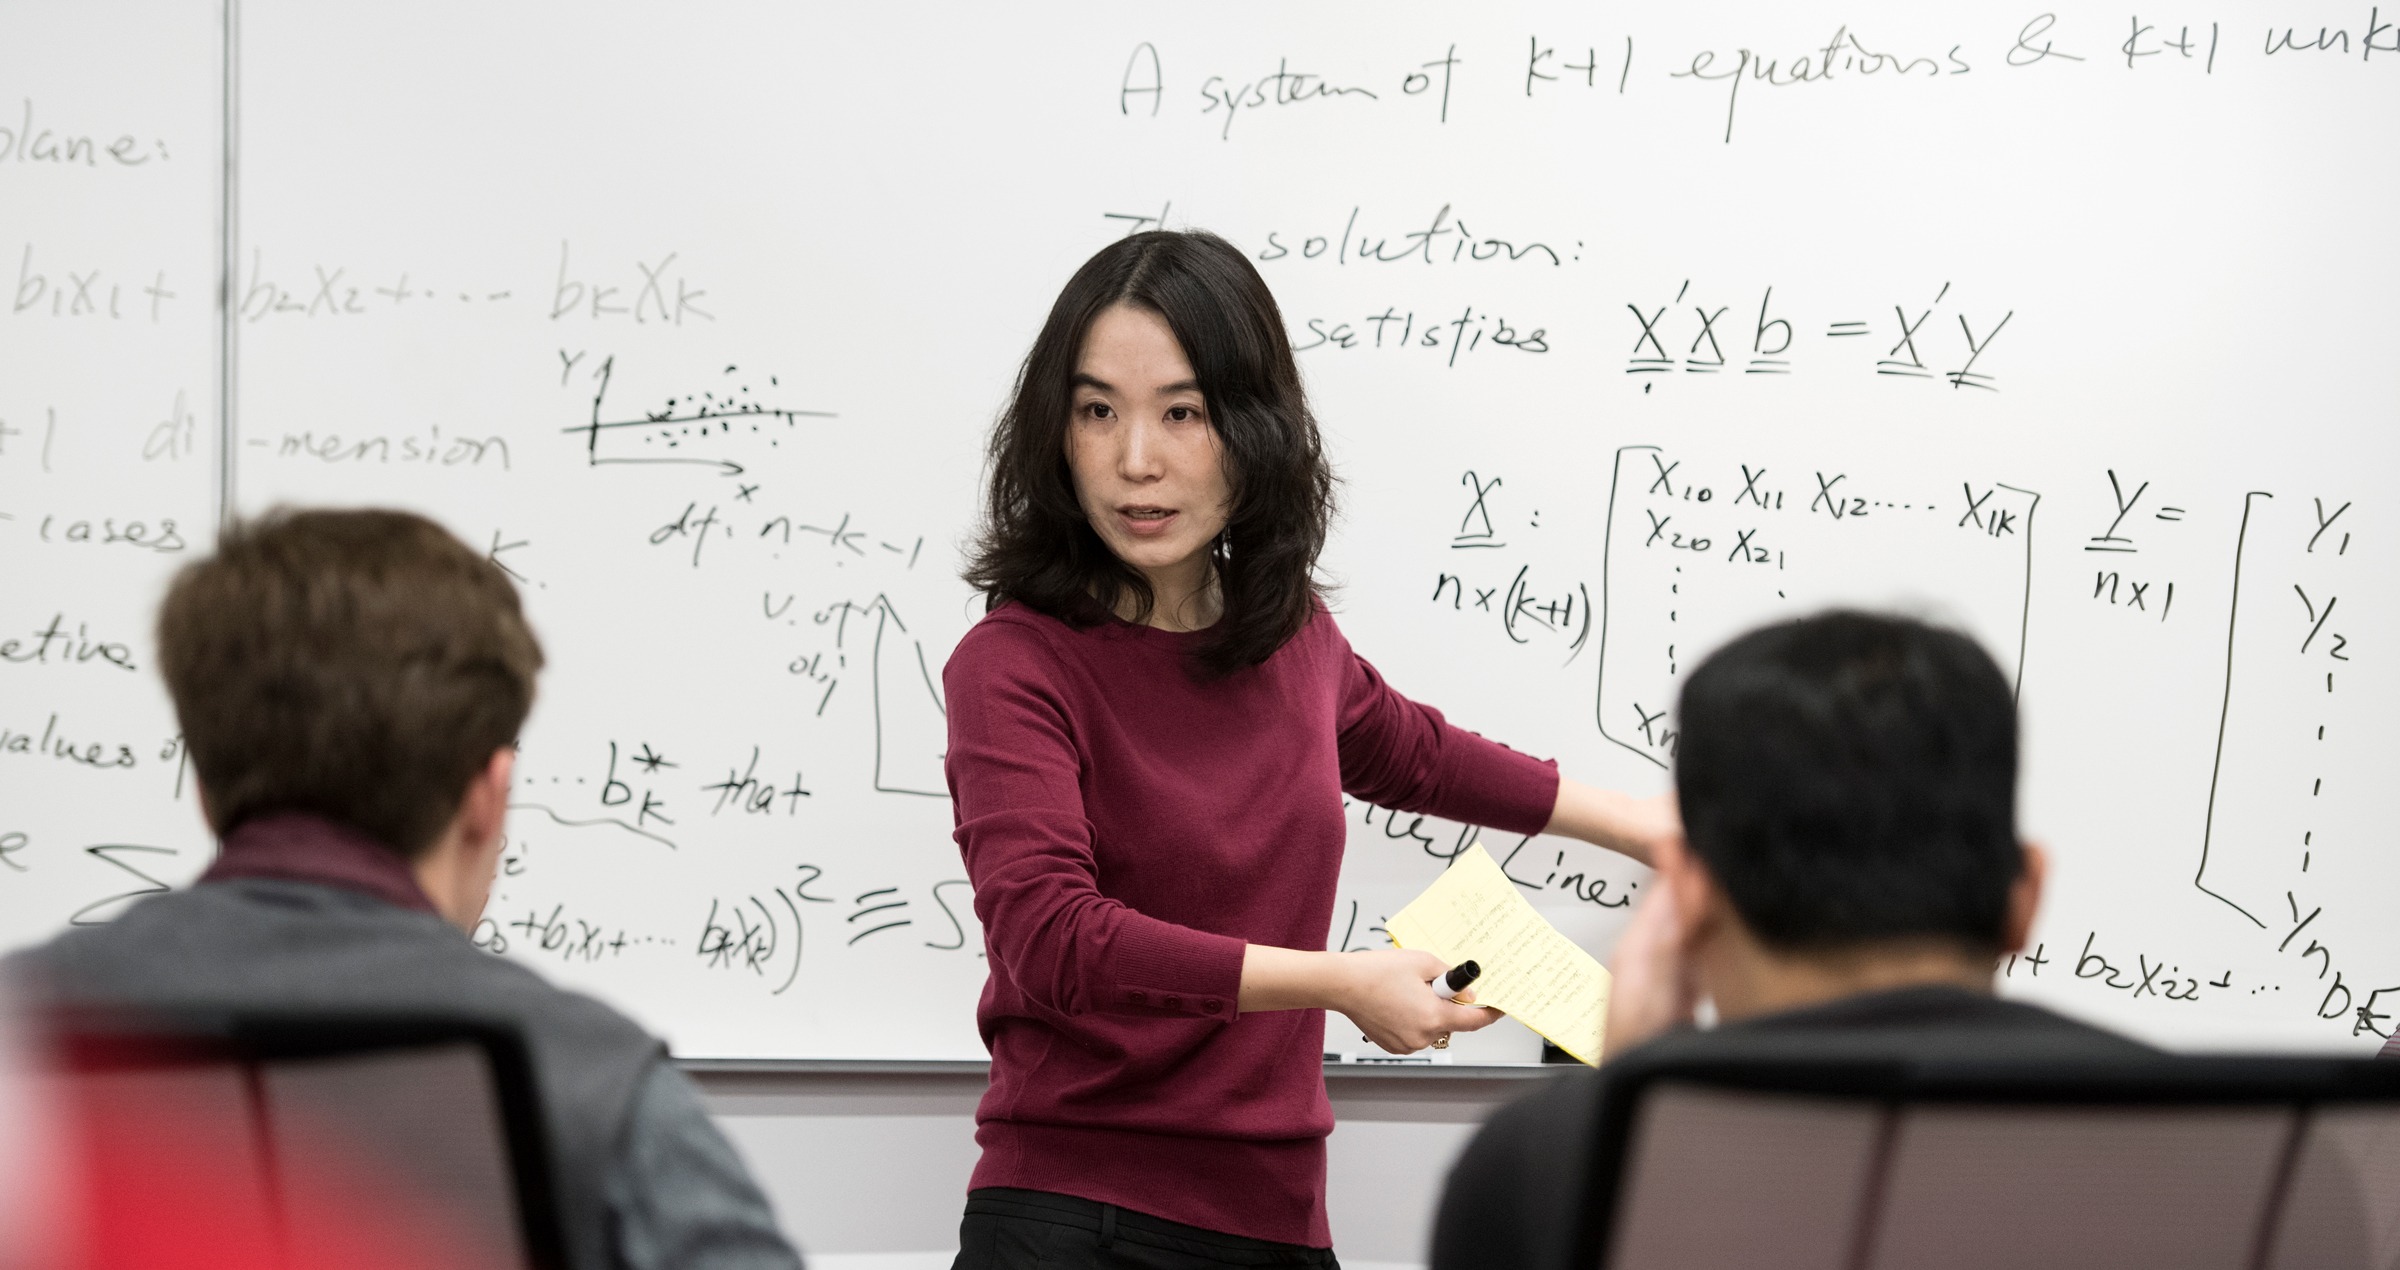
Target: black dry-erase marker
x: 1456, y: 981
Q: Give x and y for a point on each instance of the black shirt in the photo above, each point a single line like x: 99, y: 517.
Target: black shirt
x: 1511, y: 1198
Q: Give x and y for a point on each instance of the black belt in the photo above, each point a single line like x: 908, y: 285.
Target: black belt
x: 1112, y: 1224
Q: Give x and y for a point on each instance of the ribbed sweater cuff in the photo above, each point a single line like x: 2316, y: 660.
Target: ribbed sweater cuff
x: 1164, y: 968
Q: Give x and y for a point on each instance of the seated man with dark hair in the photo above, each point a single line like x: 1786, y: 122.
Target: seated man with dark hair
x: 350, y: 685
x: 1850, y: 874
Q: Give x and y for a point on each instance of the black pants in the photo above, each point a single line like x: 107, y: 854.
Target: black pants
x: 1008, y: 1229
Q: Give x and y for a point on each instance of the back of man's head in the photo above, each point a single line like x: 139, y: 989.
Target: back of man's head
x: 359, y: 665
x: 1849, y: 779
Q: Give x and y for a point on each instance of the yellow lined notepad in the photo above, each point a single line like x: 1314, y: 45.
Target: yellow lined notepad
x: 1536, y: 975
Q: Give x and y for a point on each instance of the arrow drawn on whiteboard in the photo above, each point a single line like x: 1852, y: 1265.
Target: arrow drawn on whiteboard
x: 703, y: 410
x: 909, y: 739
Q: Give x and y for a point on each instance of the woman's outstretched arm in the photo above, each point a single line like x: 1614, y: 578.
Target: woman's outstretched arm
x: 1621, y: 822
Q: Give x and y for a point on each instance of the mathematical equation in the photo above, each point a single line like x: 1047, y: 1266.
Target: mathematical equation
x: 838, y: 541
x: 761, y: 934
x: 121, y: 873
x: 750, y: 934
x: 2287, y: 732
x: 1695, y: 555
x: 2105, y: 966
x: 647, y: 290
x: 2127, y: 586
x: 1506, y: 594
x: 638, y: 788
x: 1696, y: 337
x: 647, y: 789
x: 81, y: 290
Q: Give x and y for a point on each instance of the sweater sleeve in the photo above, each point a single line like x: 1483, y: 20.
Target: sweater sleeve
x: 1015, y: 781
x: 1401, y: 754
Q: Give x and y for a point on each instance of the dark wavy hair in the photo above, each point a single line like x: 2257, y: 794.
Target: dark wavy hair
x: 1038, y: 548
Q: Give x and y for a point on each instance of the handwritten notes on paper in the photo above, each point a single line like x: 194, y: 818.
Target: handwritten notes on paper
x: 1536, y: 975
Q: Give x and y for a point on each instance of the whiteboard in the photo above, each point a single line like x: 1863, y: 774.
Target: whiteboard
x: 111, y: 193
x: 1627, y: 329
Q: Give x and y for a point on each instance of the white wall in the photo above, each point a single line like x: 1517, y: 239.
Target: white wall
x: 867, y: 1168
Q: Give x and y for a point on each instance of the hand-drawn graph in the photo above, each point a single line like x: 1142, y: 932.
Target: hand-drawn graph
x: 686, y: 430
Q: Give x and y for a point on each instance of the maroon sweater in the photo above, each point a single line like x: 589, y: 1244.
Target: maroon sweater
x: 1129, y: 828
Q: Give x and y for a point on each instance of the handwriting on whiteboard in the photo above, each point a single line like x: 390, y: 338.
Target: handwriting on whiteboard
x: 1548, y: 69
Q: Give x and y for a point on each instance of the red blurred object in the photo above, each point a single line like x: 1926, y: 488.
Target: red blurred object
x: 182, y: 1153
x: 166, y: 1183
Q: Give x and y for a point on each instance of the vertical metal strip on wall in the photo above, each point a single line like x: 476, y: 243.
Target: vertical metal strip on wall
x: 228, y: 244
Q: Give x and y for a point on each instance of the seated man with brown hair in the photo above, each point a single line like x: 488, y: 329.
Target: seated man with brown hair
x: 1849, y: 877
x: 350, y: 685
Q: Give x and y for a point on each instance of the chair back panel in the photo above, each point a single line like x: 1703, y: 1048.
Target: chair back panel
x: 2343, y: 1204
x: 206, y: 1107
x: 2125, y: 1188
x: 1800, y: 1157
x: 329, y: 1139
x: 1798, y: 1165
x: 423, y: 1122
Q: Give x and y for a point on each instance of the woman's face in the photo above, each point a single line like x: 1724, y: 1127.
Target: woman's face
x: 1148, y: 467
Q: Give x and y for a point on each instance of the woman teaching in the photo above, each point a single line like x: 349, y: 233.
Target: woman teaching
x: 1151, y: 732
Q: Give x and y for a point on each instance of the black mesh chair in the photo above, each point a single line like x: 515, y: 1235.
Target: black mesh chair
x: 1871, y: 1164
x: 441, y: 1116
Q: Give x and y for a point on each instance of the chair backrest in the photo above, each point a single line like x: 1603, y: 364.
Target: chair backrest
x: 321, y: 1127
x: 1873, y: 1164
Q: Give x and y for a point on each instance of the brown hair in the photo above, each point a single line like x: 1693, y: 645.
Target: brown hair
x: 359, y: 665
x: 1038, y: 547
